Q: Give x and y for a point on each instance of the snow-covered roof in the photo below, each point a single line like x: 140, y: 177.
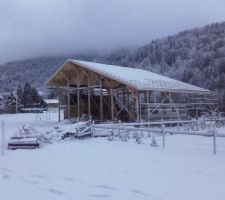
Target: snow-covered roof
x: 51, y: 101
x: 138, y: 78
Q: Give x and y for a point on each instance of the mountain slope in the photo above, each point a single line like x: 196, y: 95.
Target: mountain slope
x: 195, y: 56
x: 35, y: 71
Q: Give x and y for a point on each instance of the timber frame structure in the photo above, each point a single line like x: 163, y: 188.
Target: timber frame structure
x: 107, y: 92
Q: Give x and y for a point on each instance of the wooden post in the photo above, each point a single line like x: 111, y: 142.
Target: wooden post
x: 163, y: 133
x: 78, y: 96
x: 124, y: 96
x: 145, y: 96
x: 137, y: 107
x: 59, y: 117
x: 140, y: 110
x: 89, y: 97
x: 214, y: 138
x: 112, y: 103
x: 119, y: 127
x: 170, y: 102
x: 148, y: 113
x: 124, y: 130
x: 93, y: 129
x: 101, y: 104
x: 68, y: 96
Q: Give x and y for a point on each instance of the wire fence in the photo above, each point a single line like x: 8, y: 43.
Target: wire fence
x: 205, y: 128
x: 155, y: 130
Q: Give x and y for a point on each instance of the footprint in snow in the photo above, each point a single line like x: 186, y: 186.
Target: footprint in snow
x: 6, y: 176
x: 5, y: 169
x: 33, y: 182
x: 72, y: 179
x: 139, y: 192
x: 39, y: 176
x: 99, y: 195
x: 54, y: 191
x: 107, y: 187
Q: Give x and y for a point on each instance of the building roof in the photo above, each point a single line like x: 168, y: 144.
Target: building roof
x: 137, y: 78
x: 51, y: 101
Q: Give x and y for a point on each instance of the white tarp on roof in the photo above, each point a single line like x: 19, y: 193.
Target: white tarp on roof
x: 139, y: 78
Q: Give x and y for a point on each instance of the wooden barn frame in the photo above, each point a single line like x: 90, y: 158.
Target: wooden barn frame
x: 108, y: 92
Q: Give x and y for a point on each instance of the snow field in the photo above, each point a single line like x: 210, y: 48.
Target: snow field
x: 100, y: 169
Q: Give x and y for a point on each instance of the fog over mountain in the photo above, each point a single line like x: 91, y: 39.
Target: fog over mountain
x: 194, y: 56
x: 50, y: 28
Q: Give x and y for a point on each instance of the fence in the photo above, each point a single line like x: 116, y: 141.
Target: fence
x: 86, y: 129
x: 190, y: 127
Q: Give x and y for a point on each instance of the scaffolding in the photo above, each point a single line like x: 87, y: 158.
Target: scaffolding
x: 101, y: 92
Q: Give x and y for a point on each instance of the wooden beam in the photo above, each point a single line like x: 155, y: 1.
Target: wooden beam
x: 78, y: 95
x: 101, y: 103
x: 148, y: 102
x: 89, y: 96
x: 112, y: 103
x: 137, y: 106
x: 68, y: 96
x: 59, y: 117
x: 124, y: 96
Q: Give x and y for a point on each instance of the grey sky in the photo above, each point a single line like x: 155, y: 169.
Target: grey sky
x: 30, y: 28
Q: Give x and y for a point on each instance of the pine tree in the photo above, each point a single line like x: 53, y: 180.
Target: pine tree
x: 19, y: 93
x: 30, y: 96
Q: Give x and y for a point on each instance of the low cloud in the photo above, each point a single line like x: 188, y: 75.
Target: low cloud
x: 39, y: 28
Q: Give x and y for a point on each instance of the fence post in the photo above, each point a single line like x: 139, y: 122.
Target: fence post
x: 78, y: 128
x: 3, y: 138
x: 93, y: 130
x: 124, y: 132
x: 214, y: 138
x: 154, y: 143
x: 142, y: 126
x: 119, y: 126
x: 178, y: 126
x: 163, y: 133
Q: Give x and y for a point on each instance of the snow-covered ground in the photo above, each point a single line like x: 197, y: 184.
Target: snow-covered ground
x: 100, y: 169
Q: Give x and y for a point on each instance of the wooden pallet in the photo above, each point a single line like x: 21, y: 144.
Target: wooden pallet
x: 23, y: 143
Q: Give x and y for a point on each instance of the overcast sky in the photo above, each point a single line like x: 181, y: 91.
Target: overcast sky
x: 30, y: 28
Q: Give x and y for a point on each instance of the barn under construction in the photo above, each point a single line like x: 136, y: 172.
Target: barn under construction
x: 109, y: 92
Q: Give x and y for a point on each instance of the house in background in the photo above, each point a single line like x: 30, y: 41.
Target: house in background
x: 1, y: 103
x: 51, y: 103
x: 109, y: 92
x: 7, y: 103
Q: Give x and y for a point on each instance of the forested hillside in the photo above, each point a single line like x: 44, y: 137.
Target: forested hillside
x: 35, y: 71
x: 195, y: 56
